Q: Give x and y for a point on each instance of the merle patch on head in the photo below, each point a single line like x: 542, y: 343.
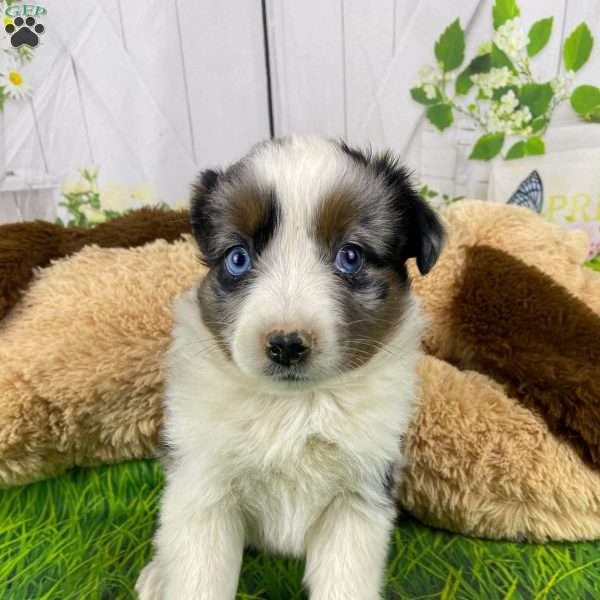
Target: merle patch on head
x: 228, y: 210
x: 418, y: 231
x: 373, y: 299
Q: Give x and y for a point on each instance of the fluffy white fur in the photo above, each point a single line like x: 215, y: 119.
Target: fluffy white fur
x: 293, y: 468
x: 291, y: 472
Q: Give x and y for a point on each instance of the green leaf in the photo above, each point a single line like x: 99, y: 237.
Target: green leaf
x: 418, y: 95
x: 499, y: 59
x: 480, y: 64
x: 531, y: 147
x: 503, y: 11
x: 487, y: 146
x: 537, y: 97
x: 585, y: 98
x: 440, y: 115
x: 578, y: 48
x: 539, y: 124
x: 593, y: 115
x: 534, y: 146
x: 450, y: 47
x: 539, y: 34
x: 516, y: 151
x: 499, y: 92
x: 3, y: 97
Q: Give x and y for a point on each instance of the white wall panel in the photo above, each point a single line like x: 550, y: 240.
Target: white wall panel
x: 154, y: 90
x: 223, y: 50
x: 307, y: 57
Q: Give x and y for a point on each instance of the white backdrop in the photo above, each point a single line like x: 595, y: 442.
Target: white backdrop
x: 151, y: 91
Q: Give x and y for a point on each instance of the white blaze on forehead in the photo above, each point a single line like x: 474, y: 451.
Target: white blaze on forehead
x: 294, y: 288
x: 303, y: 170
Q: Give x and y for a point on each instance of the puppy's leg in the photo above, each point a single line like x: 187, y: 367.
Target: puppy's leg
x: 198, y: 550
x: 347, y: 550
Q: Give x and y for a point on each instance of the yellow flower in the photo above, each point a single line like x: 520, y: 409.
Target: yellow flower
x: 145, y: 193
x: 15, y: 85
x: 114, y: 196
x: 15, y: 77
x: 181, y: 203
x: 93, y: 215
x: 8, y: 21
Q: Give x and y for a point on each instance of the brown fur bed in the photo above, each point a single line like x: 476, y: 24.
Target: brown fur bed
x: 527, y: 331
x: 481, y: 461
x: 26, y: 246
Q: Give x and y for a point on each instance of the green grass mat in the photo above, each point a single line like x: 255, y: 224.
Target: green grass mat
x: 86, y: 535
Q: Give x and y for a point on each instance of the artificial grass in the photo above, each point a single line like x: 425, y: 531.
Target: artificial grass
x: 87, y: 534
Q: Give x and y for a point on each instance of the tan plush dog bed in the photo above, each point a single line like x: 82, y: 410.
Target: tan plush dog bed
x: 81, y: 378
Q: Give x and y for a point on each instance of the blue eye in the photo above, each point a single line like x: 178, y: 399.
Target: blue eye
x: 237, y: 261
x: 349, y: 259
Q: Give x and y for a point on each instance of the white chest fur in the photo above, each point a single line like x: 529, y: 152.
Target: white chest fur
x: 285, y: 456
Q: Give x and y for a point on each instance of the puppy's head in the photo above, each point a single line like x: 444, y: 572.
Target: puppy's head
x: 306, y: 241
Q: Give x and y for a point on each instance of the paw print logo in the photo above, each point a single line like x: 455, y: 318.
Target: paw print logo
x: 24, y: 32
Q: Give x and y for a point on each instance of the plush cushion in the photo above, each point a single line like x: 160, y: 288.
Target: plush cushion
x: 34, y: 244
x: 81, y: 380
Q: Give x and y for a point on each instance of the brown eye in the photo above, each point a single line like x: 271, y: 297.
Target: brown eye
x: 349, y: 259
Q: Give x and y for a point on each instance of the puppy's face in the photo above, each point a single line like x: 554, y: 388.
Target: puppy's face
x: 306, y: 241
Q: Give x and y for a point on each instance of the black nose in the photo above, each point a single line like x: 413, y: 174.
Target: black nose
x: 288, y: 349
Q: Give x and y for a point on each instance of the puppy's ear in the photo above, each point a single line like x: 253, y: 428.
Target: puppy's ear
x: 420, y: 233
x: 202, y: 208
x: 426, y: 235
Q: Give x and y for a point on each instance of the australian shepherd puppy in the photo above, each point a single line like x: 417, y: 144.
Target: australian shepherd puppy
x: 291, y: 374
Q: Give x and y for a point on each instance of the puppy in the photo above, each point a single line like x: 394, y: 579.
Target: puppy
x: 291, y: 374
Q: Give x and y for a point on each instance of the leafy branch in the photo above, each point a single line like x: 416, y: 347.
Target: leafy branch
x: 87, y: 204
x: 497, y: 90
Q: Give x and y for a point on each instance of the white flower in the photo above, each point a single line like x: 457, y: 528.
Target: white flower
x: 114, y: 196
x: 496, y: 78
x: 428, y: 75
x: 494, y: 123
x: 76, y: 185
x: 429, y: 90
x: 13, y: 82
x: 512, y: 39
x: 562, y: 85
x: 508, y: 103
x: 502, y: 116
x: 521, y: 116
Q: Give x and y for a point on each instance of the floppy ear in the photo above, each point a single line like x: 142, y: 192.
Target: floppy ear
x: 202, y: 209
x: 420, y: 231
x: 426, y: 235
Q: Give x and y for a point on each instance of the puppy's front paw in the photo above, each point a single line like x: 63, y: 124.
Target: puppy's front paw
x: 148, y: 586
